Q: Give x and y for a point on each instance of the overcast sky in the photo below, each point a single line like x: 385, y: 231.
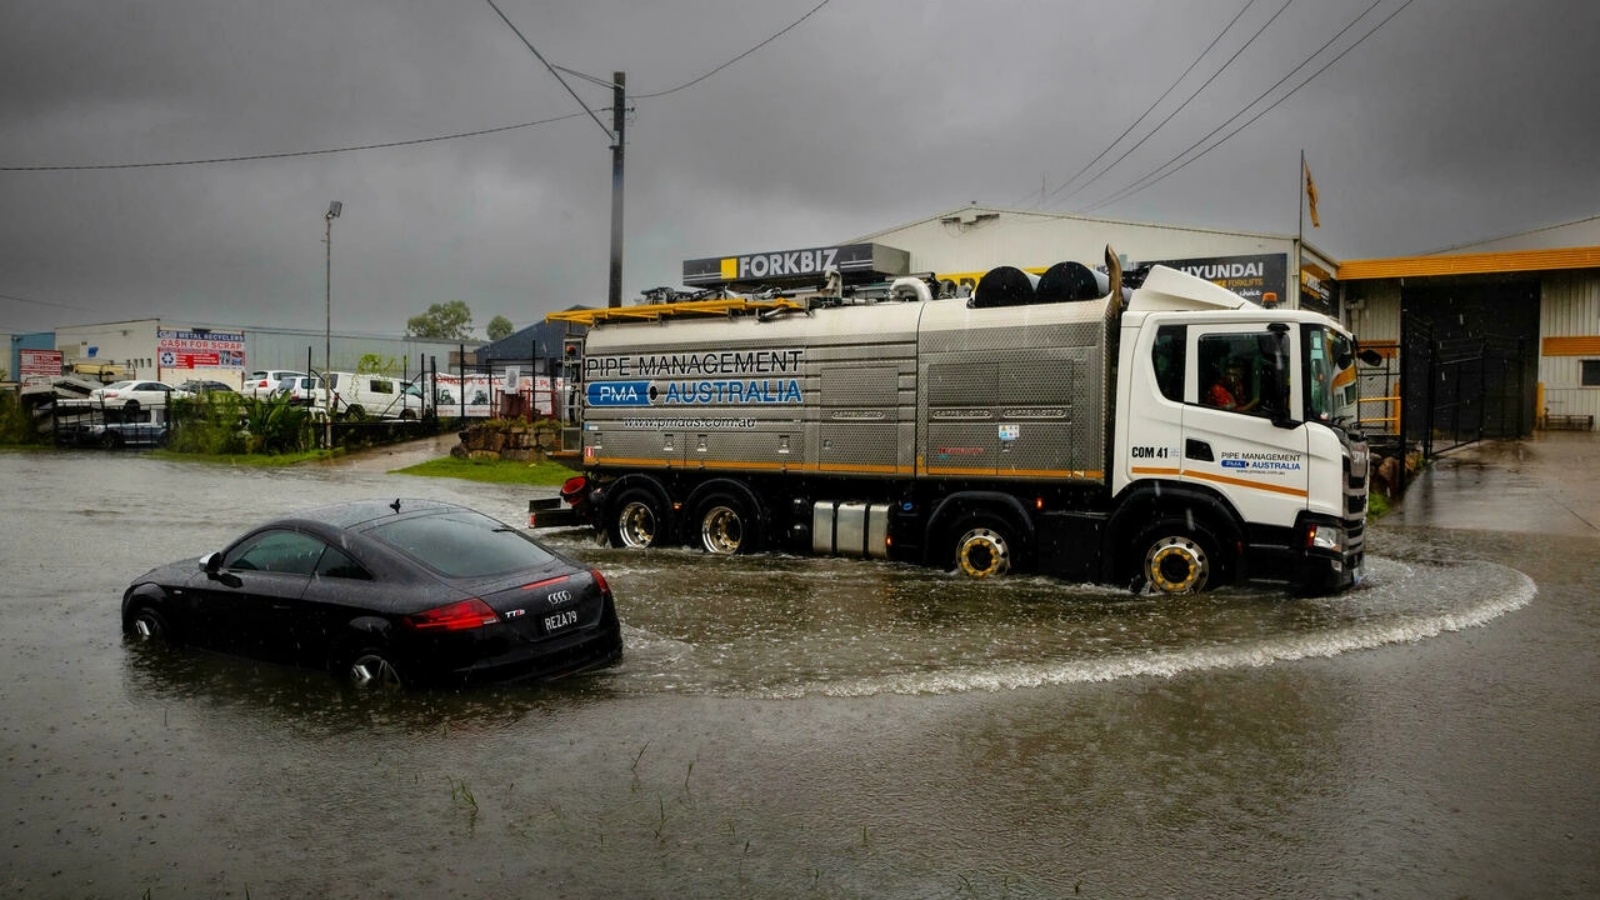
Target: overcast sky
x: 1453, y: 121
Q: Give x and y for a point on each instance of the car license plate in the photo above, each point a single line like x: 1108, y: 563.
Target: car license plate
x: 560, y: 621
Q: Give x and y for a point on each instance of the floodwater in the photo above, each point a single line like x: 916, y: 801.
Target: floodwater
x: 799, y: 727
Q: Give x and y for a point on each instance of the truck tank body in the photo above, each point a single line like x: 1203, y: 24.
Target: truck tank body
x: 1008, y: 393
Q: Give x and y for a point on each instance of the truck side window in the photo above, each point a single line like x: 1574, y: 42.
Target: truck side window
x: 1230, y: 372
x: 1167, y: 356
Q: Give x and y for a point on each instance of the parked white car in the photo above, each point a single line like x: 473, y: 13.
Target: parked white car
x: 264, y: 383
x: 366, y: 396
x: 131, y: 395
x: 304, y: 390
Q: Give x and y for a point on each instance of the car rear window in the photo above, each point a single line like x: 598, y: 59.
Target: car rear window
x: 463, y: 544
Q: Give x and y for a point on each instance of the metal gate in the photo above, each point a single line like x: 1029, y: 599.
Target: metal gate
x: 1465, y: 365
x: 1464, y: 389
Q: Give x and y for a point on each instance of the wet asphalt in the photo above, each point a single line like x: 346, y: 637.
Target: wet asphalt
x: 1436, y: 734
x: 1549, y: 484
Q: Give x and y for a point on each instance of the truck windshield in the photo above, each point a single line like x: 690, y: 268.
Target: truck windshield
x: 1330, y: 376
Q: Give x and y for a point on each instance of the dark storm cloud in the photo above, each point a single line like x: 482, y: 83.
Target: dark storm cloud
x: 1454, y: 121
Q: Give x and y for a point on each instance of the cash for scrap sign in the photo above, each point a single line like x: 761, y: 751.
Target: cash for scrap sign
x: 200, y: 349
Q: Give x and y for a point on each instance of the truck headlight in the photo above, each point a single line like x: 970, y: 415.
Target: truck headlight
x: 1324, y: 537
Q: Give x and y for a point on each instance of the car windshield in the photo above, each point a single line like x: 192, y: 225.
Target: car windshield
x: 463, y: 544
x: 119, y: 385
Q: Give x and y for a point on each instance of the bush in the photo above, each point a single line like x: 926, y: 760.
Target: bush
x: 16, y: 426
x: 226, y: 423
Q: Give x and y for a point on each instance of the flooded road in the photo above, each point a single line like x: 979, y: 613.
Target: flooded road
x: 797, y: 727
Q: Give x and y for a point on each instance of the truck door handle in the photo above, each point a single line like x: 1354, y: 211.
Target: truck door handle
x: 1193, y: 449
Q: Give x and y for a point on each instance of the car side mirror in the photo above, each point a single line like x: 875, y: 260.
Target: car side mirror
x: 211, y: 563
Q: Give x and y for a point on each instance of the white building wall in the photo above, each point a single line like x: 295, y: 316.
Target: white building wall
x: 129, y: 344
x: 1376, y: 315
x: 136, y: 345
x: 1569, y: 306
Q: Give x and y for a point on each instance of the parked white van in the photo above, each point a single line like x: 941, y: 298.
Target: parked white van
x: 366, y: 396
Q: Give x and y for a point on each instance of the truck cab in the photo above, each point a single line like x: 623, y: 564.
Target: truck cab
x: 1241, y: 416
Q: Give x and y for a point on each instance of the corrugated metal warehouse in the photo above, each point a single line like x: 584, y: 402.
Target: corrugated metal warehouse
x: 1530, y: 300
x: 139, y: 346
x: 1516, y: 318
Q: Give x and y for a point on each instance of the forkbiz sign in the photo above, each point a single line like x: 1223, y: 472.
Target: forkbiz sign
x: 854, y: 262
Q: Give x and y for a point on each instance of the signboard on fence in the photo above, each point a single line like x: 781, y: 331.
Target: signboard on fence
x: 46, y: 363
x: 485, y: 396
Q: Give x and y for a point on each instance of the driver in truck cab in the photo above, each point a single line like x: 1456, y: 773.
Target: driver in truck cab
x: 1228, y: 390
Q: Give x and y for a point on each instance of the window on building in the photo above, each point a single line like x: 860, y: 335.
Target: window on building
x: 1591, y: 373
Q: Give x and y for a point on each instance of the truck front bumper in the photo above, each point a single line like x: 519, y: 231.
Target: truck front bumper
x: 1331, y: 553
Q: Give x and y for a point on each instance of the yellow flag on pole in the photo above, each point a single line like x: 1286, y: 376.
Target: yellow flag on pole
x: 1311, y: 194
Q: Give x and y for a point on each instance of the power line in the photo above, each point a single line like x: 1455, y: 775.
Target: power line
x: 529, y: 44
x: 291, y: 154
x: 606, y: 83
x: 255, y: 157
x: 1179, y: 80
x: 1147, y: 180
x: 1185, y: 104
x: 781, y: 32
x: 44, y: 303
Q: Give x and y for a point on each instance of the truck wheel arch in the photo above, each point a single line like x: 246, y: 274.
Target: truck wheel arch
x: 1203, y: 514
x: 997, y: 511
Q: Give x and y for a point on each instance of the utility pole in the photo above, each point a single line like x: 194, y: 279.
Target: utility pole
x: 334, y: 209
x: 619, y: 102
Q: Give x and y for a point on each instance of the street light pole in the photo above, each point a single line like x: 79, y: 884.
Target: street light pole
x: 334, y: 209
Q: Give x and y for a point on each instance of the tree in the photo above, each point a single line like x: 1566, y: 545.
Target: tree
x: 450, y: 321
x: 377, y: 364
x: 499, y: 328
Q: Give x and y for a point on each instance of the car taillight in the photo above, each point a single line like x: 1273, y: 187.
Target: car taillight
x: 600, y: 581
x: 459, y: 616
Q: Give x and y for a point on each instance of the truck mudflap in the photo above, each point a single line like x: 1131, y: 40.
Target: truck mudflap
x: 571, y: 509
x: 547, y: 512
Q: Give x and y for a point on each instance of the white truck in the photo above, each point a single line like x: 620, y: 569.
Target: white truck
x: 1066, y: 427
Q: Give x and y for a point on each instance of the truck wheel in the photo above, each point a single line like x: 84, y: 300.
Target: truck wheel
x: 640, y: 519
x: 727, y: 525
x: 1174, y: 557
x: 984, y: 548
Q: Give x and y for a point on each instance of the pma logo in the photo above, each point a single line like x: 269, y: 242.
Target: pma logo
x: 1235, y: 464
x: 619, y: 393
